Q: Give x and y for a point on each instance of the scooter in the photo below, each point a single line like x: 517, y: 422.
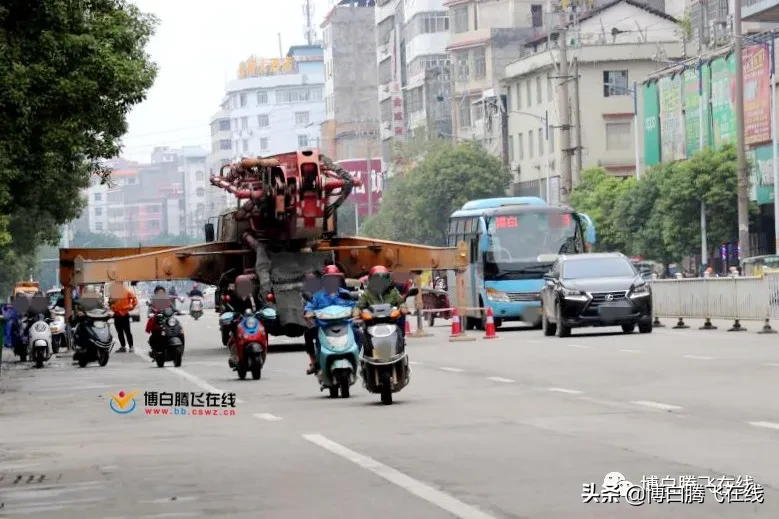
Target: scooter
x: 249, y: 344
x: 59, y: 331
x: 21, y: 337
x: 169, y: 344
x: 338, y: 353
x: 387, y: 370
x: 40, y: 340
x: 196, y: 307
x: 93, y: 339
x: 226, y: 319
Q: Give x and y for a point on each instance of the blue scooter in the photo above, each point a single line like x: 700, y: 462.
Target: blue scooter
x: 338, y: 354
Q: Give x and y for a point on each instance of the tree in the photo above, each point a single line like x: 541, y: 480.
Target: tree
x: 69, y: 75
x: 597, y: 195
x: 98, y: 240
x: 416, y: 207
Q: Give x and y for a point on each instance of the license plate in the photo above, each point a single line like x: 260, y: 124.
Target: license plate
x: 614, y: 310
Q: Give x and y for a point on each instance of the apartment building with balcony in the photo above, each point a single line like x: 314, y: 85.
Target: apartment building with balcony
x: 611, y: 54
x: 217, y: 199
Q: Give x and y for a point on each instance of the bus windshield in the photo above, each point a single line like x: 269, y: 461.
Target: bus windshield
x: 527, y: 236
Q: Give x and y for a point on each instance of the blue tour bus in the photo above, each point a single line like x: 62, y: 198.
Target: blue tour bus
x: 512, y: 243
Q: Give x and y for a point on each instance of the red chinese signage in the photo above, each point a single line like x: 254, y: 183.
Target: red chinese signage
x: 359, y: 169
x: 506, y: 222
x: 757, y: 94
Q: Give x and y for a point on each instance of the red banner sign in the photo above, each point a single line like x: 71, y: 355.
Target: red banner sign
x: 360, y: 168
x: 757, y: 94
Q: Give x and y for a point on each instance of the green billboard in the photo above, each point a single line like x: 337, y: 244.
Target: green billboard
x: 651, y: 124
x: 723, y: 73
x: 672, y: 139
x: 692, y: 107
x: 761, y: 177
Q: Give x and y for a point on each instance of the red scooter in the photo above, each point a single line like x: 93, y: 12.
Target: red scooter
x: 249, y: 345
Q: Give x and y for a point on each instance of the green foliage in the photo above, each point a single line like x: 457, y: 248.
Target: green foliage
x: 97, y: 240
x: 345, y: 219
x: 417, y: 205
x: 658, y: 217
x: 69, y: 74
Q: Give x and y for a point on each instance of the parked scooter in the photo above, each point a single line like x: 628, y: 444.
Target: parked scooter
x: 39, y: 340
x: 338, y: 353
x: 387, y: 370
x: 93, y: 339
x: 196, y: 307
x: 249, y: 344
x: 21, y: 337
x: 169, y: 344
x: 59, y: 331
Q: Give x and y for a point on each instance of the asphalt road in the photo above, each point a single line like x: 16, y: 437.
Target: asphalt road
x: 505, y: 428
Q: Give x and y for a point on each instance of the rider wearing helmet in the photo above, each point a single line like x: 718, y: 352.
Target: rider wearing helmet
x: 330, y: 294
x: 381, y: 290
x: 195, y: 292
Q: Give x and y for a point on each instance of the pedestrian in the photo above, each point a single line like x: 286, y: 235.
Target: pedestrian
x: 122, y: 302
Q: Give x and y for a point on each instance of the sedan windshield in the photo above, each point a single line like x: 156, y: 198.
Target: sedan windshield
x: 598, y: 268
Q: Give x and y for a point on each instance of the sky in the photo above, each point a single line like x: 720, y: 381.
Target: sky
x: 197, y: 48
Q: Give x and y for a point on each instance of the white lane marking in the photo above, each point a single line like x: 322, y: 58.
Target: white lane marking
x: 765, y: 425
x: 77, y: 388
x: 534, y: 341
x: 580, y: 346
x: 163, y: 500
x: 656, y: 405
x: 202, y: 384
x: 267, y: 417
x: 563, y: 390
x: 698, y: 357
x: 500, y: 379
x: 415, y: 363
x: 772, y: 364
x: 631, y: 351
x: 453, y: 370
x: 433, y: 496
x: 51, y: 506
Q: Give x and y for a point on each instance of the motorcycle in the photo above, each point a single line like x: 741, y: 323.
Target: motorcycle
x: 249, y: 344
x: 338, y: 353
x: 93, y: 339
x: 196, y: 307
x: 169, y: 344
x: 21, y: 337
x: 40, y: 340
x: 387, y: 370
x: 226, y: 319
x: 59, y: 331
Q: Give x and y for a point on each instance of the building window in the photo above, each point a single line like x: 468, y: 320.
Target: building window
x: 115, y: 212
x: 521, y: 142
x: 201, y: 192
x: 615, y: 83
x: 115, y: 197
x: 508, y: 99
x: 99, y: 226
x: 415, y: 100
x: 200, y: 176
x: 538, y: 90
x: 98, y: 211
x: 541, y: 137
x: 478, y: 111
x: 618, y: 136
x: 298, y: 95
x: 262, y: 98
x: 460, y: 23
x: 224, y: 125
x: 301, y: 118
x: 98, y: 197
x: 243, y: 100
x: 530, y: 144
x: 519, y: 95
x: 264, y: 143
x: 263, y: 120
x: 225, y: 144
x: 479, y: 63
x: 245, y: 145
x: 427, y: 23
x: 244, y: 123
x: 529, y: 90
x: 465, y: 113
x: 551, y: 140
x: 511, y: 148
x: 462, y: 65
x: 302, y: 141
x: 549, y: 92
x: 537, y: 15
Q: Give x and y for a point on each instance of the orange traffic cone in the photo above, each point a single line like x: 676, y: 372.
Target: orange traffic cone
x: 489, y: 328
x: 456, y: 328
x: 408, y: 327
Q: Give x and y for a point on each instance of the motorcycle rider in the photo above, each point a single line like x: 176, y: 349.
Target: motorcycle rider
x: 122, y: 302
x: 39, y: 305
x: 241, y: 299
x: 159, y: 302
x: 90, y: 300
x: 312, y: 283
x: 195, y: 292
x: 331, y: 293
x: 381, y: 290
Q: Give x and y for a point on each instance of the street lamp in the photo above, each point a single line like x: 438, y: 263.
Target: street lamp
x: 545, y: 120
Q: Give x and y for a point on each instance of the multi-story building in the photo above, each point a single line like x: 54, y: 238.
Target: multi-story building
x: 349, y: 40
x: 613, y: 46
x: 221, y: 153
x: 485, y: 37
x: 275, y: 105
x: 413, y: 73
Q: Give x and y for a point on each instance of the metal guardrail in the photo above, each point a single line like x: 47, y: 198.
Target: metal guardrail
x: 735, y: 298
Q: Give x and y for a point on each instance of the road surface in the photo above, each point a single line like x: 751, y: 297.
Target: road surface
x: 507, y: 428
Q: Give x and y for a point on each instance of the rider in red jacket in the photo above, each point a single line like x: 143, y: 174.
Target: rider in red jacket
x: 159, y: 302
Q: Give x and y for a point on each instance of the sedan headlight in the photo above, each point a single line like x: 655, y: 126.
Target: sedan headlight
x: 574, y: 295
x: 640, y: 290
x: 497, y: 296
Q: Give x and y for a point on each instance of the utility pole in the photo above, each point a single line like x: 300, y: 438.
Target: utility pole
x: 577, y: 172
x: 743, y: 180
x: 565, y: 119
